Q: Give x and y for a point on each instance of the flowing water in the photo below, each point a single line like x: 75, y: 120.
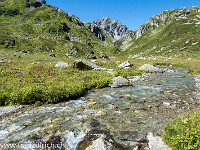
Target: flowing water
x: 128, y: 113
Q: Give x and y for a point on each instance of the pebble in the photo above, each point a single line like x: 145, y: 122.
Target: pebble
x: 166, y: 103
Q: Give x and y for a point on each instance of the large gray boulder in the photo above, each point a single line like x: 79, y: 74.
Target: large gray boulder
x: 82, y: 64
x: 62, y: 65
x: 149, y: 68
x: 125, y: 65
x: 100, y: 140
x: 119, y: 82
x: 156, y: 143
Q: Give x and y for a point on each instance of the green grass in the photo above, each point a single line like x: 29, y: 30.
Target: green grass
x: 23, y: 83
x: 46, y: 29
x: 184, y: 132
x: 173, y: 39
x: 26, y: 83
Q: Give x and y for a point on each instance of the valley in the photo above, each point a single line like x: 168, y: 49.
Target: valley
x: 98, y: 85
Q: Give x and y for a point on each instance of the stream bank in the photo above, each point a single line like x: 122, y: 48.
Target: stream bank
x: 124, y: 115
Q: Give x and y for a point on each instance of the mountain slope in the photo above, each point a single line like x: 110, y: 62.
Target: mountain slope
x: 169, y: 34
x: 35, y: 26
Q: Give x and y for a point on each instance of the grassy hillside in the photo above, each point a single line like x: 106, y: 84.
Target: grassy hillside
x: 167, y: 35
x: 34, y: 27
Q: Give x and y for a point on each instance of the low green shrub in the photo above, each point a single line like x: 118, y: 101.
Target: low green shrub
x: 184, y: 132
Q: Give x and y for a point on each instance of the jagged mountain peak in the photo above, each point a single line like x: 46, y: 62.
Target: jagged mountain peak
x: 114, y: 28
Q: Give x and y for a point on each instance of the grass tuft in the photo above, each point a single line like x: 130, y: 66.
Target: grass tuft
x: 184, y: 132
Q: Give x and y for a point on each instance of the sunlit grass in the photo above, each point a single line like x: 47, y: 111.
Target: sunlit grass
x: 184, y: 132
x: 23, y: 83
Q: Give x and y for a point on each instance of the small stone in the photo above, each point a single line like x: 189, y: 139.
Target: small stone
x: 93, y: 61
x: 99, y: 69
x: 100, y: 113
x: 92, y: 103
x: 125, y: 65
x: 62, y: 65
x: 68, y: 56
x: 91, y: 56
x: 166, y: 103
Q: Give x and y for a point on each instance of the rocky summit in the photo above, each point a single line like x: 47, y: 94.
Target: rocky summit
x: 113, y: 27
x: 108, y: 30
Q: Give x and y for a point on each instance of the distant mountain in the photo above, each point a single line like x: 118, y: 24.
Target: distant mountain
x: 169, y: 34
x: 113, y: 27
x: 108, y: 30
x: 34, y: 26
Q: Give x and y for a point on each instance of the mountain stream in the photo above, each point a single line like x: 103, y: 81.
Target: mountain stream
x: 127, y: 113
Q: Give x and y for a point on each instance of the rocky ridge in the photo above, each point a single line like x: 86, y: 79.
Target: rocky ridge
x: 167, y: 35
x: 115, y: 28
x: 99, y: 33
x: 107, y: 29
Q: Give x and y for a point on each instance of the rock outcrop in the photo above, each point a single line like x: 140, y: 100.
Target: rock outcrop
x: 91, y: 56
x: 142, y: 30
x: 125, y: 65
x: 113, y: 27
x: 82, y: 64
x: 97, y: 30
x: 156, y: 143
x: 107, y: 28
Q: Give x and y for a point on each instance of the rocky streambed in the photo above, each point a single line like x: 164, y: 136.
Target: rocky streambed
x: 108, y: 118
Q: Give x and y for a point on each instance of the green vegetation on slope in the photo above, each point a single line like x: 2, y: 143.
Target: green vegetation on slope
x: 171, y: 37
x: 29, y: 25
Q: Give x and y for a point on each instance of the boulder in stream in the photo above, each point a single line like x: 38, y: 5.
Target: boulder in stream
x: 149, y: 68
x: 120, y: 82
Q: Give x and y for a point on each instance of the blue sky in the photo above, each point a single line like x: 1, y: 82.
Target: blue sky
x: 132, y: 13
